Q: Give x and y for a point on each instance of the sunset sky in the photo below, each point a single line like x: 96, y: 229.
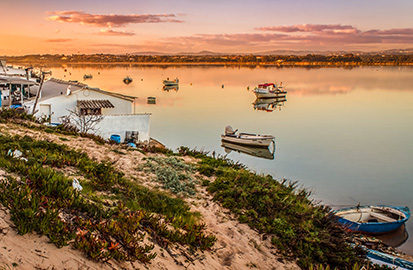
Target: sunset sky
x: 227, y: 26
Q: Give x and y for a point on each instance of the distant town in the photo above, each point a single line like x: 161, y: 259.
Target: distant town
x: 278, y: 58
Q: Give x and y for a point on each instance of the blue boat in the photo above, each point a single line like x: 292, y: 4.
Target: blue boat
x: 373, y: 219
x: 381, y: 258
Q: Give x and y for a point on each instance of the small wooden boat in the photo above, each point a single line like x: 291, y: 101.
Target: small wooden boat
x: 167, y: 82
x: 373, y: 219
x: 87, y: 76
x: 127, y: 80
x: 256, y: 140
x: 269, y: 90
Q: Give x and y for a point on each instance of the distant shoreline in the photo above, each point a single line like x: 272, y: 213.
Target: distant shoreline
x: 210, y: 64
x: 310, y: 60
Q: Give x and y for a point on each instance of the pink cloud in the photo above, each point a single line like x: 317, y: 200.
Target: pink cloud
x: 110, y: 32
x: 313, y: 28
x: 346, y: 34
x: 111, y: 20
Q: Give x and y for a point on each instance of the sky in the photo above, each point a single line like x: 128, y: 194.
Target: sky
x: 225, y: 26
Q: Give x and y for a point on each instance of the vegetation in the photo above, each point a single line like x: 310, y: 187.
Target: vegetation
x: 114, y: 217
x: 173, y: 173
x: 332, y: 59
x: 43, y: 200
x: 281, y: 211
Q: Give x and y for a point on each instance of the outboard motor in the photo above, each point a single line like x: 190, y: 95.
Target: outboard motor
x: 230, y: 131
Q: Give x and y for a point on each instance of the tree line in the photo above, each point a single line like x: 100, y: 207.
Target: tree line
x: 314, y: 59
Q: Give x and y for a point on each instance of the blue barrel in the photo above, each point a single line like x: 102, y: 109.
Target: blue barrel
x: 115, y: 138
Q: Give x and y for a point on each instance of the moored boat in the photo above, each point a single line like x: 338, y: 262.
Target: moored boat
x: 167, y: 82
x: 256, y: 140
x: 373, y: 219
x: 87, y: 76
x: 127, y: 80
x: 269, y: 90
x: 381, y: 258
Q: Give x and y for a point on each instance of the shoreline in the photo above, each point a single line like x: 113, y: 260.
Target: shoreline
x: 284, y: 64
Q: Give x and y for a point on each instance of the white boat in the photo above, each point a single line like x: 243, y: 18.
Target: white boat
x: 256, y: 140
x: 269, y: 90
x: 167, y: 82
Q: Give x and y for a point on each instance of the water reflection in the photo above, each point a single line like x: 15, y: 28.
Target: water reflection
x: 269, y: 104
x: 252, y: 151
x: 168, y: 88
x: 395, y: 238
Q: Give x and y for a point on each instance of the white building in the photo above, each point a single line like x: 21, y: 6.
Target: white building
x: 57, y: 98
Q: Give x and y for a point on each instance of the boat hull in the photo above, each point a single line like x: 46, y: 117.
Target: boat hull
x: 389, y: 260
x: 251, y: 140
x: 373, y: 219
x: 267, y: 94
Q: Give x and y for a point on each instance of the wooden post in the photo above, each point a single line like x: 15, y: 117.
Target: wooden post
x: 38, y: 93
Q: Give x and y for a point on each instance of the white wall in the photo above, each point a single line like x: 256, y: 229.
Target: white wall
x: 119, y: 124
x: 59, y: 105
x: 116, y: 120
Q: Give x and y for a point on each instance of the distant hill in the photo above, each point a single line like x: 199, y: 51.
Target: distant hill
x: 285, y: 52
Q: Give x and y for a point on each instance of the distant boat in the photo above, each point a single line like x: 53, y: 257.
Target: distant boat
x: 151, y: 100
x: 259, y: 152
x: 256, y: 140
x: 167, y: 82
x: 127, y: 80
x: 87, y: 76
x: 269, y: 90
x: 373, y: 219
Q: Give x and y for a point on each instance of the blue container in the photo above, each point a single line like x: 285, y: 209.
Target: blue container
x: 131, y: 144
x: 115, y: 138
x: 15, y: 106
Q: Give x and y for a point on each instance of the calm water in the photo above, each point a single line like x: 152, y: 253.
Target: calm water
x: 346, y: 134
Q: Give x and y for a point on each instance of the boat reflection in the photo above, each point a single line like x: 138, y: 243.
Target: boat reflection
x: 249, y: 150
x: 269, y: 104
x: 395, y: 238
x: 170, y: 87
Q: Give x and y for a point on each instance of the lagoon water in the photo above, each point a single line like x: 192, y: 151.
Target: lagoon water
x: 345, y: 134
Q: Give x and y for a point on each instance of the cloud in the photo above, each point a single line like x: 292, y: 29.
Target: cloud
x: 344, y: 34
x: 111, y: 20
x: 110, y: 32
x: 313, y: 28
x: 59, y: 40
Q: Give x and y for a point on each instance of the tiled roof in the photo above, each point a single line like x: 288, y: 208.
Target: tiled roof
x: 94, y: 104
